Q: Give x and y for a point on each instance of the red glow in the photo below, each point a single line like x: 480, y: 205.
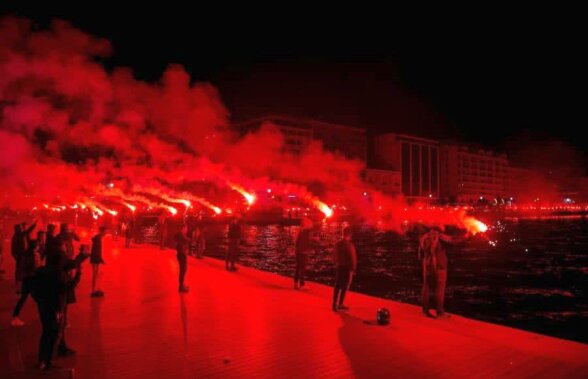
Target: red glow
x: 328, y: 212
x: 249, y: 197
x: 130, y: 206
x: 474, y: 226
x: 172, y: 210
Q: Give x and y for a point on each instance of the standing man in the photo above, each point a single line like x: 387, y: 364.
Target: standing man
x: 30, y: 261
x: 346, y: 266
x: 433, y: 255
x: 19, y: 244
x: 198, y: 243
x: 67, y: 237
x: 182, y: 246
x: 50, y: 245
x: 304, y: 243
x: 69, y: 275
x: 130, y: 227
x: 45, y: 292
x: 96, y: 260
x: 234, y: 235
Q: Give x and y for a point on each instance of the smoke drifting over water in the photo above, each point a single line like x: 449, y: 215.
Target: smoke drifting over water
x: 68, y: 127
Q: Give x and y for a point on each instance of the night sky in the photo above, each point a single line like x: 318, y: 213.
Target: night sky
x: 495, y: 81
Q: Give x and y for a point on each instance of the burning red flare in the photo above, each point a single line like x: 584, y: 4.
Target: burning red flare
x: 130, y: 206
x: 328, y: 212
x: 249, y: 197
x: 474, y: 226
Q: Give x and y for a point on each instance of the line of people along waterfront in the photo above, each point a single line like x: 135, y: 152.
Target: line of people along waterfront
x: 48, y: 270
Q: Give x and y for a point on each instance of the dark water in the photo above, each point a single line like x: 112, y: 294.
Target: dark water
x: 534, y: 278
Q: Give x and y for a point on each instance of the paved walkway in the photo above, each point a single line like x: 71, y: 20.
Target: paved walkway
x: 252, y: 324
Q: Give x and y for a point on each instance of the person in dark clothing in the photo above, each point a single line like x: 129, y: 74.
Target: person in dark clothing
x: 346, y: 265
x: 67, y: 237
x: 69, y: 275
x: 41, y: 245
x: 96, y: 260
x: 182, y: 247
x: 432, y: 253
x: 30, y: 261
x: 304, y: 244
x: 17, y: 249
x: 18, y: 245
x: 45, y: 292
x: 129, y: 230
x: 51, y: 251
x: 198, y: 243
x: 234, y: 235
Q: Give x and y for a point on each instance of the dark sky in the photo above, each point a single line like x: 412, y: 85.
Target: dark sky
x: 487, y: 80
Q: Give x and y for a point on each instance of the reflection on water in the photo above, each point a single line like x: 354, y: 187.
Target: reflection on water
x: 535, y: 278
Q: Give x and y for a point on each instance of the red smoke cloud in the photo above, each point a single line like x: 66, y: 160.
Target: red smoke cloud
x: 68, y: 127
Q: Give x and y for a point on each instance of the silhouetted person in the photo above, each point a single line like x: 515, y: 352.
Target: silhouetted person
x: 129, y: 230
x: 42, y: 245
x: 17, y: 249
x: 433, y: 256
x: 346, y: 264
x: 182, y: 246
x: 304, y: 245
x: 69, y: 274
x: 67, y: 237
x: 234, y: 236
x: 51, y: 250
x: 30, y: 261
x: 20, y: 240
x: 198, y: 244
x: 45, y: 292
x: 96, y: 260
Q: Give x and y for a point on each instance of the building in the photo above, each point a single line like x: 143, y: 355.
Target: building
x: 386, y: 181
x: 349, y: 141
x: 415, y: 158
x: 468, y: 174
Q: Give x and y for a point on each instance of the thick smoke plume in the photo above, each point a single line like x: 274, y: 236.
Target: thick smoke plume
x: 69, y: 127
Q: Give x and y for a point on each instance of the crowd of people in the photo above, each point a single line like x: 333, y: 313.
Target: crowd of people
x: 47, y: 268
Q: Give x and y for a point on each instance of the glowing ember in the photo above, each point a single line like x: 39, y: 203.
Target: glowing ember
x: 172, y: 210
x: 217, y: 210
